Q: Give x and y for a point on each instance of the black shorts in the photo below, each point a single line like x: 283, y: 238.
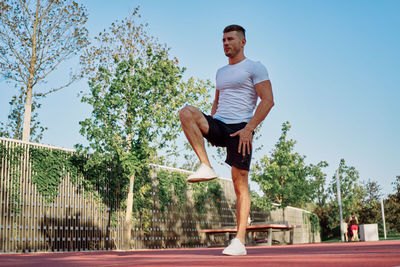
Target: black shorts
x: 219, y: 135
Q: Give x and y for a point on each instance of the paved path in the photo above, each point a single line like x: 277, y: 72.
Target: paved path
x: 382, y: 253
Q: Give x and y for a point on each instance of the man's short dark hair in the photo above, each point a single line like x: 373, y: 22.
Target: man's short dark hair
x: 237, y: 28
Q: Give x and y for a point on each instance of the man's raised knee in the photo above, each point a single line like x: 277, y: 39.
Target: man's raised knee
x: 186, y: 113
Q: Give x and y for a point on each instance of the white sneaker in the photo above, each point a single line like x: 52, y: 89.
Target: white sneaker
x: 202, y: 174
x: 236, y: 248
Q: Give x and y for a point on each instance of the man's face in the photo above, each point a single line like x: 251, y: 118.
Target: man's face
x: 233, y: 44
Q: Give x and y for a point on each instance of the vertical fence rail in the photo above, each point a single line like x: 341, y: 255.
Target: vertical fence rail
x: 3, y: 198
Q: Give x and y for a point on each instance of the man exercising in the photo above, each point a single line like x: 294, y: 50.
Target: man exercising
x: 231, y: 124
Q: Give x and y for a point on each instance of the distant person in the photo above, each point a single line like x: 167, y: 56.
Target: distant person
x: 353, y: 224
x: 239, y: 84
x: 345, y: 230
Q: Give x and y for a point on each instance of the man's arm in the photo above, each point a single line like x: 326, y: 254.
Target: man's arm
x: 215, y: 104
x: 264, y: 91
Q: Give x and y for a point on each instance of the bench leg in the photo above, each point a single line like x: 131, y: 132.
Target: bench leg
x: 291, y: 236
x: 227, y: 239
x: 250, y: 239
x: 270, y: 237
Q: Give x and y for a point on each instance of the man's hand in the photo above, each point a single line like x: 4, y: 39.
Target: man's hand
x: 245, y: 136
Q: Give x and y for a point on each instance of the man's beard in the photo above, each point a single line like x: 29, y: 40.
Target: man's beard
x: 232, y: 52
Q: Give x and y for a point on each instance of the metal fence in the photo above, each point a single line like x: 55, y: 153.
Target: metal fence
x: 75, y: 221
x: 78, y: 221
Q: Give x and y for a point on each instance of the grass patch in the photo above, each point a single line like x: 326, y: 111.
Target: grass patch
x: 390, y: 237
x: 381, y: 238
x: 332, y: 240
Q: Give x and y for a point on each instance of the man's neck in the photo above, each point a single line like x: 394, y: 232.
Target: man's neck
x: 236, y: 59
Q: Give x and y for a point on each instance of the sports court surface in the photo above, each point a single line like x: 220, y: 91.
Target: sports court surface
x: 381, y: 253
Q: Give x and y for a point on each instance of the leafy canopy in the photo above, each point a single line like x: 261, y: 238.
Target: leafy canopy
x: 284, y: 177
x: 36, y: 37
x: 136, y: 91
x: 13, y: 127
x: 351, y: 191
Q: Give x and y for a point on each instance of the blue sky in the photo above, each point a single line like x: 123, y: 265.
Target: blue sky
x: 334, y: 67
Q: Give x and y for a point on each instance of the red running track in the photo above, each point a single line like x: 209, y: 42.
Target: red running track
x: 380, y: 253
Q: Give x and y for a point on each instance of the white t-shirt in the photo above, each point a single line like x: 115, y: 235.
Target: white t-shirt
x: 237, y: 95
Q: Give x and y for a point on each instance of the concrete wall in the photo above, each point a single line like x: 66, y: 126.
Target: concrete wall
x: 225, y: 218
x: 291, y: 216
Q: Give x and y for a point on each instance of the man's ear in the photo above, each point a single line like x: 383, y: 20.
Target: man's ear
x: 243, y: 42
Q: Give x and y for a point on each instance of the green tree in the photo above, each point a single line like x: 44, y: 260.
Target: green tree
x: 284, y: 177
x: 13, y: 127
x: 35, y: 38
x: 324, y: 212
x: 370, y: 211
x: 319, y: 196
x: 373, y: 192
x: 392, y: 208
x: 135, y: 97
x: 351, y: 192
x: 363, y: 200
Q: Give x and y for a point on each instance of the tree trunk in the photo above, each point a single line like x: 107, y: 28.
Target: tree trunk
x: 26, y: 130
x: 128, y: 216
x: 129, y: 200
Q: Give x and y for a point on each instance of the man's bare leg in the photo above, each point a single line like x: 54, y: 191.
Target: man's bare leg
x: 194, y: 125
x: 241, y: 185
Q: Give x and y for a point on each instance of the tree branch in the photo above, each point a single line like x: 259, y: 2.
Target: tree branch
x: 57, y: 89
x: 13, y: 28
x: 14, y: 52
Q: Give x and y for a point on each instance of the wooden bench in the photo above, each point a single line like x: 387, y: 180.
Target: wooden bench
x: 252, y: 228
